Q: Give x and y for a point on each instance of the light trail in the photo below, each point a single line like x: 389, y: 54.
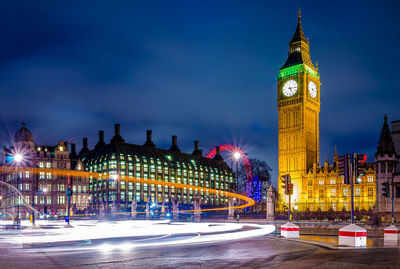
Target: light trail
x: 105, y: 176
x: 159, y: 234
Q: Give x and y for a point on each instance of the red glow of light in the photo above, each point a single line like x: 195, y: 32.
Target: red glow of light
x: 243, y: 158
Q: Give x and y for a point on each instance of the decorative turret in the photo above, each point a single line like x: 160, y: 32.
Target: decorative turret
x: 335, y: 158
x: 385, y: 144
x: 386, y: 160
x: 23, y: 137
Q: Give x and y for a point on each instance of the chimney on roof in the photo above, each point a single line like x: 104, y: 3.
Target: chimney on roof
x: 117, y: 128
x: 149, y: 142
x: 101, y: 142
x: 117, y: 135
x: 101, y: 136
x: 72, y: 154
x: 85, y: 140
x: 197, y: 150
x: 218, y: 153
x: 174, y: 146
x: 73, y: 148
x: 84, y: 149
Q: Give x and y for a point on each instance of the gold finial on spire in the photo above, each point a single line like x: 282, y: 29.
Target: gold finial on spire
x: 299, y: 13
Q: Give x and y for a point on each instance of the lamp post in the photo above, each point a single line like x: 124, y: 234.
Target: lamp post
x: 237, y: 157
x: 45, y: 190
x: 18, y: 159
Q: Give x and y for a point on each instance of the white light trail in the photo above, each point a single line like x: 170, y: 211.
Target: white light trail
x: 158, y: 233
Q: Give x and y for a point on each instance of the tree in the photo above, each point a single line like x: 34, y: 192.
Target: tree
x: 260, y: 169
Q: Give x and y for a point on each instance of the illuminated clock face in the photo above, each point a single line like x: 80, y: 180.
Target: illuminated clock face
x: 312, y: 89
x: 290, y: 88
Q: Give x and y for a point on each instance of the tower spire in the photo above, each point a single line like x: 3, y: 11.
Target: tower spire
x: 385, y: 144
x: 299, y: 16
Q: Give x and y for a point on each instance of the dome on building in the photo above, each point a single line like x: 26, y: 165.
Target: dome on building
x: 23, y: 134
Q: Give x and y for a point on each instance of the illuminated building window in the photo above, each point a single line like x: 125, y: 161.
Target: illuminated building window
x: 27, y: 174
x: 370, y: 191
x: 310, y: 193
x: 345, y: 192
x: 321, y: 193
x: 321, y: 182
x: 357, y: 192
x: 333, y: 181
x: 41, y: 165
x: 370, y: 179
x: 48, y: 175
x: 333, y: 192
x: 41, y: 175
x: 48, y: 165
x: 27, y: 186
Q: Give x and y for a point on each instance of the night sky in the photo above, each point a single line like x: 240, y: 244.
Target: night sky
x: 201, y: 70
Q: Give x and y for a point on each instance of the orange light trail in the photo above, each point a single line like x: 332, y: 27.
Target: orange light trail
x: 105, y: 176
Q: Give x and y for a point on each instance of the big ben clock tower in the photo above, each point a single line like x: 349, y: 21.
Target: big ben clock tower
x: 298, y: 112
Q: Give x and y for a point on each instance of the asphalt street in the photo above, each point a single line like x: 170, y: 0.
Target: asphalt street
x: 263, y: 252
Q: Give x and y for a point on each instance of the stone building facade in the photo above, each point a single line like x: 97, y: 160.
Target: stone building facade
x: 36, y: 177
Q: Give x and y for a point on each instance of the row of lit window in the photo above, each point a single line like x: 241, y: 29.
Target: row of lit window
x: 357, y: 192
x: 38, y: 200
x: 332, y: 181
x: 113, y: 162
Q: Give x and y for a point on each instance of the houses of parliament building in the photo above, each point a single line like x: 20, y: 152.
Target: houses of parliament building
x: 315, y: 186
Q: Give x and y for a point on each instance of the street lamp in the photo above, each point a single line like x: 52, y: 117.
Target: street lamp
x: 18, y: 158
x: 45, y: 201
x: 237, y: 156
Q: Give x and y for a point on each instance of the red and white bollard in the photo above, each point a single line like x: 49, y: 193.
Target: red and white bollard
x: 353, y: 235
x: 391, y: 233
x: 290, y: 230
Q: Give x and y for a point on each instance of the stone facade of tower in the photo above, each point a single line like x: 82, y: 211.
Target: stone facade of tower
x: 315, y: 187
x: 387, y: 170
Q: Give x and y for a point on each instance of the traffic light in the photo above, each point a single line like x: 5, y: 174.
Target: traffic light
x: 360, y: 162
x: 69, y: 191
x: 286, y: 182
x: 290, y: 189
x: 344, y: 168
x: 386, y: 190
